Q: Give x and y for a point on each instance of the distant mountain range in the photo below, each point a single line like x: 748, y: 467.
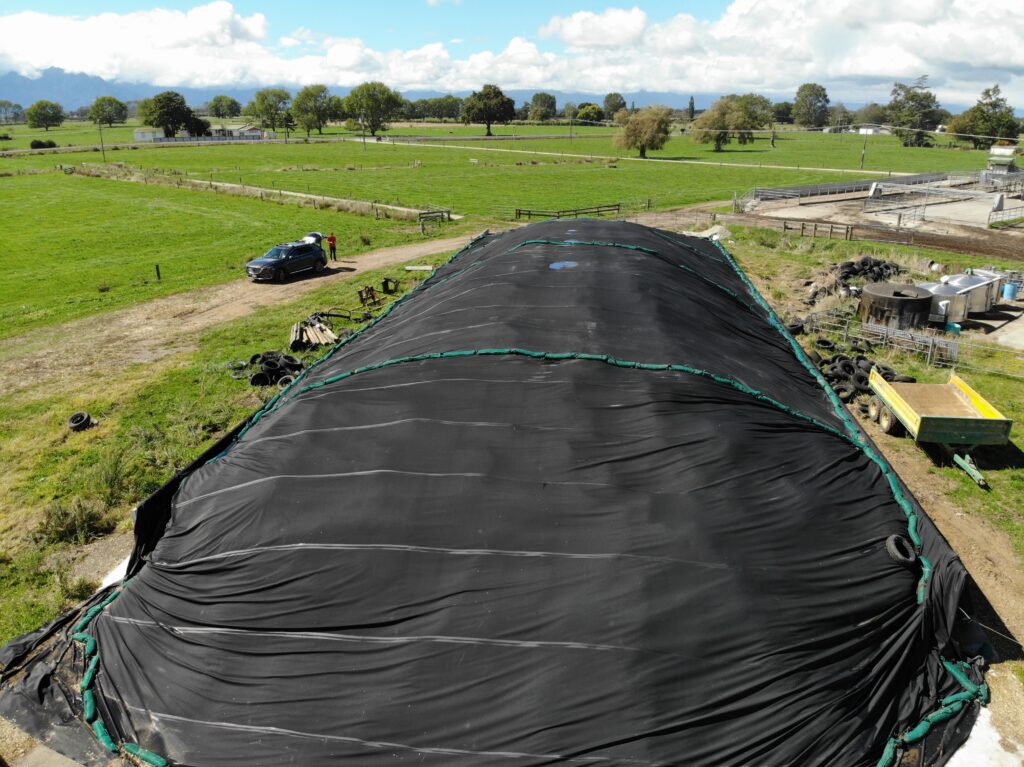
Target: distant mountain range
x: 73, y: 90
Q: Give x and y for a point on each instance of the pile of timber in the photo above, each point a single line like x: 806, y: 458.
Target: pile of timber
x: 311, y: 334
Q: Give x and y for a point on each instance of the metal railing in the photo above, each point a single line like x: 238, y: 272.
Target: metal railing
x: 937, y: 350
x: 1007, y: 214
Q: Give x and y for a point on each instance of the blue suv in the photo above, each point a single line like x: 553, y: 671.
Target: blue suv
x: 286, y: 259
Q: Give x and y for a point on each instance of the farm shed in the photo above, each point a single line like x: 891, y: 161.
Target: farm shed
x: 577, y: 498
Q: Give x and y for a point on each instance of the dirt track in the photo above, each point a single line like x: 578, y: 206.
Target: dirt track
x: 155, y: 329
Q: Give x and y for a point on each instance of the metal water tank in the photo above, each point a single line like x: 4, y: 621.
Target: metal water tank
x: 895, y: 305
x: 978, y: 290
x: 948, y: 303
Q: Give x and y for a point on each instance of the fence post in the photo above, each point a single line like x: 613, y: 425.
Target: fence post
x: 931, y: 348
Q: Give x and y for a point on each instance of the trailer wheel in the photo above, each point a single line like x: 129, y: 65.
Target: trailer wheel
x: 889, y: 423
x: 874, y: 408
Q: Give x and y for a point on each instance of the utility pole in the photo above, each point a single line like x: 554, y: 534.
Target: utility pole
x: 103, y: 149
x: 863, y: 151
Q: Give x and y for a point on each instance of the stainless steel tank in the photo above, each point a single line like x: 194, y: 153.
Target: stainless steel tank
x: 949, y: 304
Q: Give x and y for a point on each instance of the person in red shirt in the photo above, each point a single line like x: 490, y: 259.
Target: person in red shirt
x: 332, y: 243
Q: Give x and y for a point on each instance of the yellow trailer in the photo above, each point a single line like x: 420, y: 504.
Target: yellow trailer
x: 951, y: 414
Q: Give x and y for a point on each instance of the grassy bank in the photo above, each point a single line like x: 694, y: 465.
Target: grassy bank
x: 153, y: 420
x: 75, y: 246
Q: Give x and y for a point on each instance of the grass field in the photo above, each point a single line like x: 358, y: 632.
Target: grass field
x: 84, y: 133
x: 75, y: 246
x: 467, y: 180
x: 792, y: 149
x: 154, y: 419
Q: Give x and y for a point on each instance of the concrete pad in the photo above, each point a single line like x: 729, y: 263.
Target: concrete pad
x: 1010, y: 333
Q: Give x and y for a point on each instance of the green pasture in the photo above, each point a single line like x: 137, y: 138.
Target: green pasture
x: 70, y: 133
x: 74, y: 246
x: 792, y: 149
x: 468, y: 180
x: 86, y: 134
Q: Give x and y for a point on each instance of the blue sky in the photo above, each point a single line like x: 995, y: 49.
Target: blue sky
x: 406, y: 24
x: 856, y: 48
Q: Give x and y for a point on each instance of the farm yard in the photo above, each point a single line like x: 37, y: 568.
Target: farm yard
x: 95, y: 243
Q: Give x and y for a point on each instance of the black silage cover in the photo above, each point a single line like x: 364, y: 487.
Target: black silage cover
x: 456, y: 541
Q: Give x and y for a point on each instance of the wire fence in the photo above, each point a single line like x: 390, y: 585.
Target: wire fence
x: 938, y: 350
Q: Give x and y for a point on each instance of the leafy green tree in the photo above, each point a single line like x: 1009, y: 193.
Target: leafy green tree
x: 10, y: 112
x: 589, y: 113
x: 167, y: 111
x: 782, y: 111
x: 225, y: 106
x: 373, y: 104
x: 614, y: 102
x: 839, y: 116
x: 488, y: 105
x: 570, y: 110
x: 873, y: 114
x: 733, y: 116
x: 810, y: 108
x: 336, y: 109
x: 991, y: 119
x: 107, y: 110
x: 196, y: 125
x: 268, y: 106
x: 914, y: 111
x: 44, y: 114
x: 646, y: 129
x: 312, y: 108
x: 543, y: 107
x: 691, y: 110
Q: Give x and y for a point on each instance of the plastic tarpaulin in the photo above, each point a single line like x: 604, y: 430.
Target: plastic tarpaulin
x: 578, y: 498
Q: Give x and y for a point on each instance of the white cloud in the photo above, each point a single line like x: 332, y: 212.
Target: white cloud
x: 857, y: 48
x: 613, y: 28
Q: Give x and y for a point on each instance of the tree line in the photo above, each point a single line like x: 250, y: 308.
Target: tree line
x: 913, y: 113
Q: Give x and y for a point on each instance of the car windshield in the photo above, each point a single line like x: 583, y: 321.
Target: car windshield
x: 276, y: 253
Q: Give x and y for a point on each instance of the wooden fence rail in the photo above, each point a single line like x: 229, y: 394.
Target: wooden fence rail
x: 595, y: 210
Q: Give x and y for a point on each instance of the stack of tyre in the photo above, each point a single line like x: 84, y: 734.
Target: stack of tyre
x: 869, y: 269
x: 268, y: 369
x: 848, y: 367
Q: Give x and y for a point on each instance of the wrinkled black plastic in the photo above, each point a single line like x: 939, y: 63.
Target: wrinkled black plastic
x: 505, y: 559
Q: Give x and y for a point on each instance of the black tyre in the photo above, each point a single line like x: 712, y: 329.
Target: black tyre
x: 285, y: 381
x: 824, y: 343
x: 904, y: 379
x: 874, y: 408
x: 795, y: 328
x: 290, y: 362
x: 865, y: 365
x: 80, y: 421
x: 845, y: 391
x: 320, y: 266
x: 238, y: 375
x: 860, y: 381
x: 279, y: 275
x: 236, y: 364
x: 256, y: 359
x: 901, y: 551
x: 889, y: 423
x: 884, y: 370
x: 271, y: 365
x: 847, y: 368
x: 260, y: 379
